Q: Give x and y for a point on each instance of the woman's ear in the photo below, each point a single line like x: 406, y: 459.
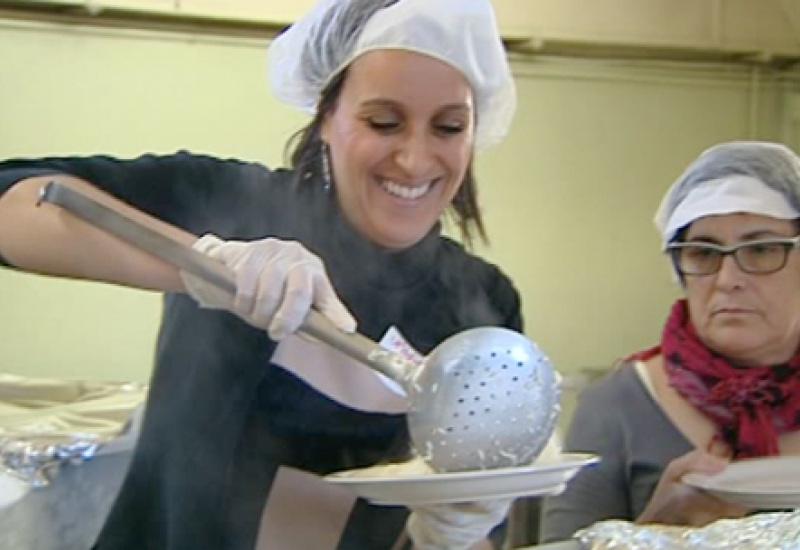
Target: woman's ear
x: 325, y: 124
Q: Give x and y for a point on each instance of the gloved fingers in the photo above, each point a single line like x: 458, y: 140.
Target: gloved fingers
x: 285, y: 286
x: 455, y: 526
x: 328, y: 304
x: 306, y: 286
x: 208, y: 244
x: 257, y: 301
x: 490, y: 511
x: 295, y: 302
x: 205, y: 294
x: 277, y: 283
x: 460, y: 514
x: 259, y: 289
x: 429, y: 534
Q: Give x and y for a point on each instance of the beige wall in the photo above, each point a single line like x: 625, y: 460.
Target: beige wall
x: 568, y: 198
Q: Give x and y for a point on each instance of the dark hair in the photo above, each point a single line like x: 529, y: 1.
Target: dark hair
x: 304, y: 153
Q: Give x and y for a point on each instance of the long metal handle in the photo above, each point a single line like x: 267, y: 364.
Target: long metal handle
x: 164, y: 247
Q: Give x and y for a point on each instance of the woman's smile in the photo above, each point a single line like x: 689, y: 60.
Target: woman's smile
x: 405, y: 191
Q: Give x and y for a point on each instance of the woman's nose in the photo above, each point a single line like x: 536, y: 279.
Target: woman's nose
x: 730, y: 272
x: 415, y: 154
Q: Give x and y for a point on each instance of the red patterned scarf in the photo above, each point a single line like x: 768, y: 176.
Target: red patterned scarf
x: 751, y: 406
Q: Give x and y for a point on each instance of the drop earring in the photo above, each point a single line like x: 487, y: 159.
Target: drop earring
x: 326, y: 168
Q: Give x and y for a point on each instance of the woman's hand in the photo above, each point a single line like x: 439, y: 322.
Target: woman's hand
x: 674, y: 503
x: 459, y: 526
x: 277, y: 283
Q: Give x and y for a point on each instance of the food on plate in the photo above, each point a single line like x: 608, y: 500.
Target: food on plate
x: 417, y: 465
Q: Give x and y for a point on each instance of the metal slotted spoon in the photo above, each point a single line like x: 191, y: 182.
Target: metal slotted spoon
x: 484, y: 398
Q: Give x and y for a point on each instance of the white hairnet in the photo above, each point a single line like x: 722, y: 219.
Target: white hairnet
x: 743, y: 176
x: 461, y: 33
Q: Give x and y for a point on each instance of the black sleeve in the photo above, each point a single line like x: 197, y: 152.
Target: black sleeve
x: 198, y: 193
x: 9, y: 174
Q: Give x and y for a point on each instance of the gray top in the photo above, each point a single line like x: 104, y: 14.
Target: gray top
x: 617, y: 419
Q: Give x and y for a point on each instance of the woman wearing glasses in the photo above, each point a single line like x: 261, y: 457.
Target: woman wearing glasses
x: 724, y: 382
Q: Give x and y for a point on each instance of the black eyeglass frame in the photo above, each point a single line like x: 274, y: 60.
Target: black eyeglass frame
x: 788, y: 244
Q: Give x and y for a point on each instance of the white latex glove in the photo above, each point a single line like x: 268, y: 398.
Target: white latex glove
x: 455, y: 526
x: 277, y: 283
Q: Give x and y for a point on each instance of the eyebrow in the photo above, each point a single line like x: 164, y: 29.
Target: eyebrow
x: 759, y: 234
x: 381, y: 102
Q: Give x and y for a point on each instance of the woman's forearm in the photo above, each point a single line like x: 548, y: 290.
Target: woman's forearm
x: 49, y: 240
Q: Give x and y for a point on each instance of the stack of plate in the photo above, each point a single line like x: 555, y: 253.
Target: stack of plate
x: 760, y: 483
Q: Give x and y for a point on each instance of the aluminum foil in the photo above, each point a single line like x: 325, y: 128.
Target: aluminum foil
x: 773, y: 531
x: 47, y: 423
x: 35, y: 461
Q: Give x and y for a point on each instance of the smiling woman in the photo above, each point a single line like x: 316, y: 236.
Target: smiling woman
x: 398, y: 157
x: 243, y: 417
x: 724, y: 384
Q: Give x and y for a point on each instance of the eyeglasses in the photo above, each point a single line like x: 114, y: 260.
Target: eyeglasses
x: 759, y: 257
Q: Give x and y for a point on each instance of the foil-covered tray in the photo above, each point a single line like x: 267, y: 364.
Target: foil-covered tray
x: 45, y: 423
x: 773, y: 531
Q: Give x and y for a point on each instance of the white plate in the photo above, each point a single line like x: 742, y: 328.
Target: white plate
x: 548, y: 477
x: 764, y: 483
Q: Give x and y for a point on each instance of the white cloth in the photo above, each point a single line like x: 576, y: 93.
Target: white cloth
x: 277, y: 284
x: 728, y: 195
x: 337, y: 376
x: 461, y: 33
x: 48, y: 407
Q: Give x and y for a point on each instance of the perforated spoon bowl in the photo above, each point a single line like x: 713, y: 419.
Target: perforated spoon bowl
x: 484, y: 398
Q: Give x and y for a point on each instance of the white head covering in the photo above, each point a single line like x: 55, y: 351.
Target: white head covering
x: 461, y: 33
x: 727, y: 195
x: 748, y: 177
